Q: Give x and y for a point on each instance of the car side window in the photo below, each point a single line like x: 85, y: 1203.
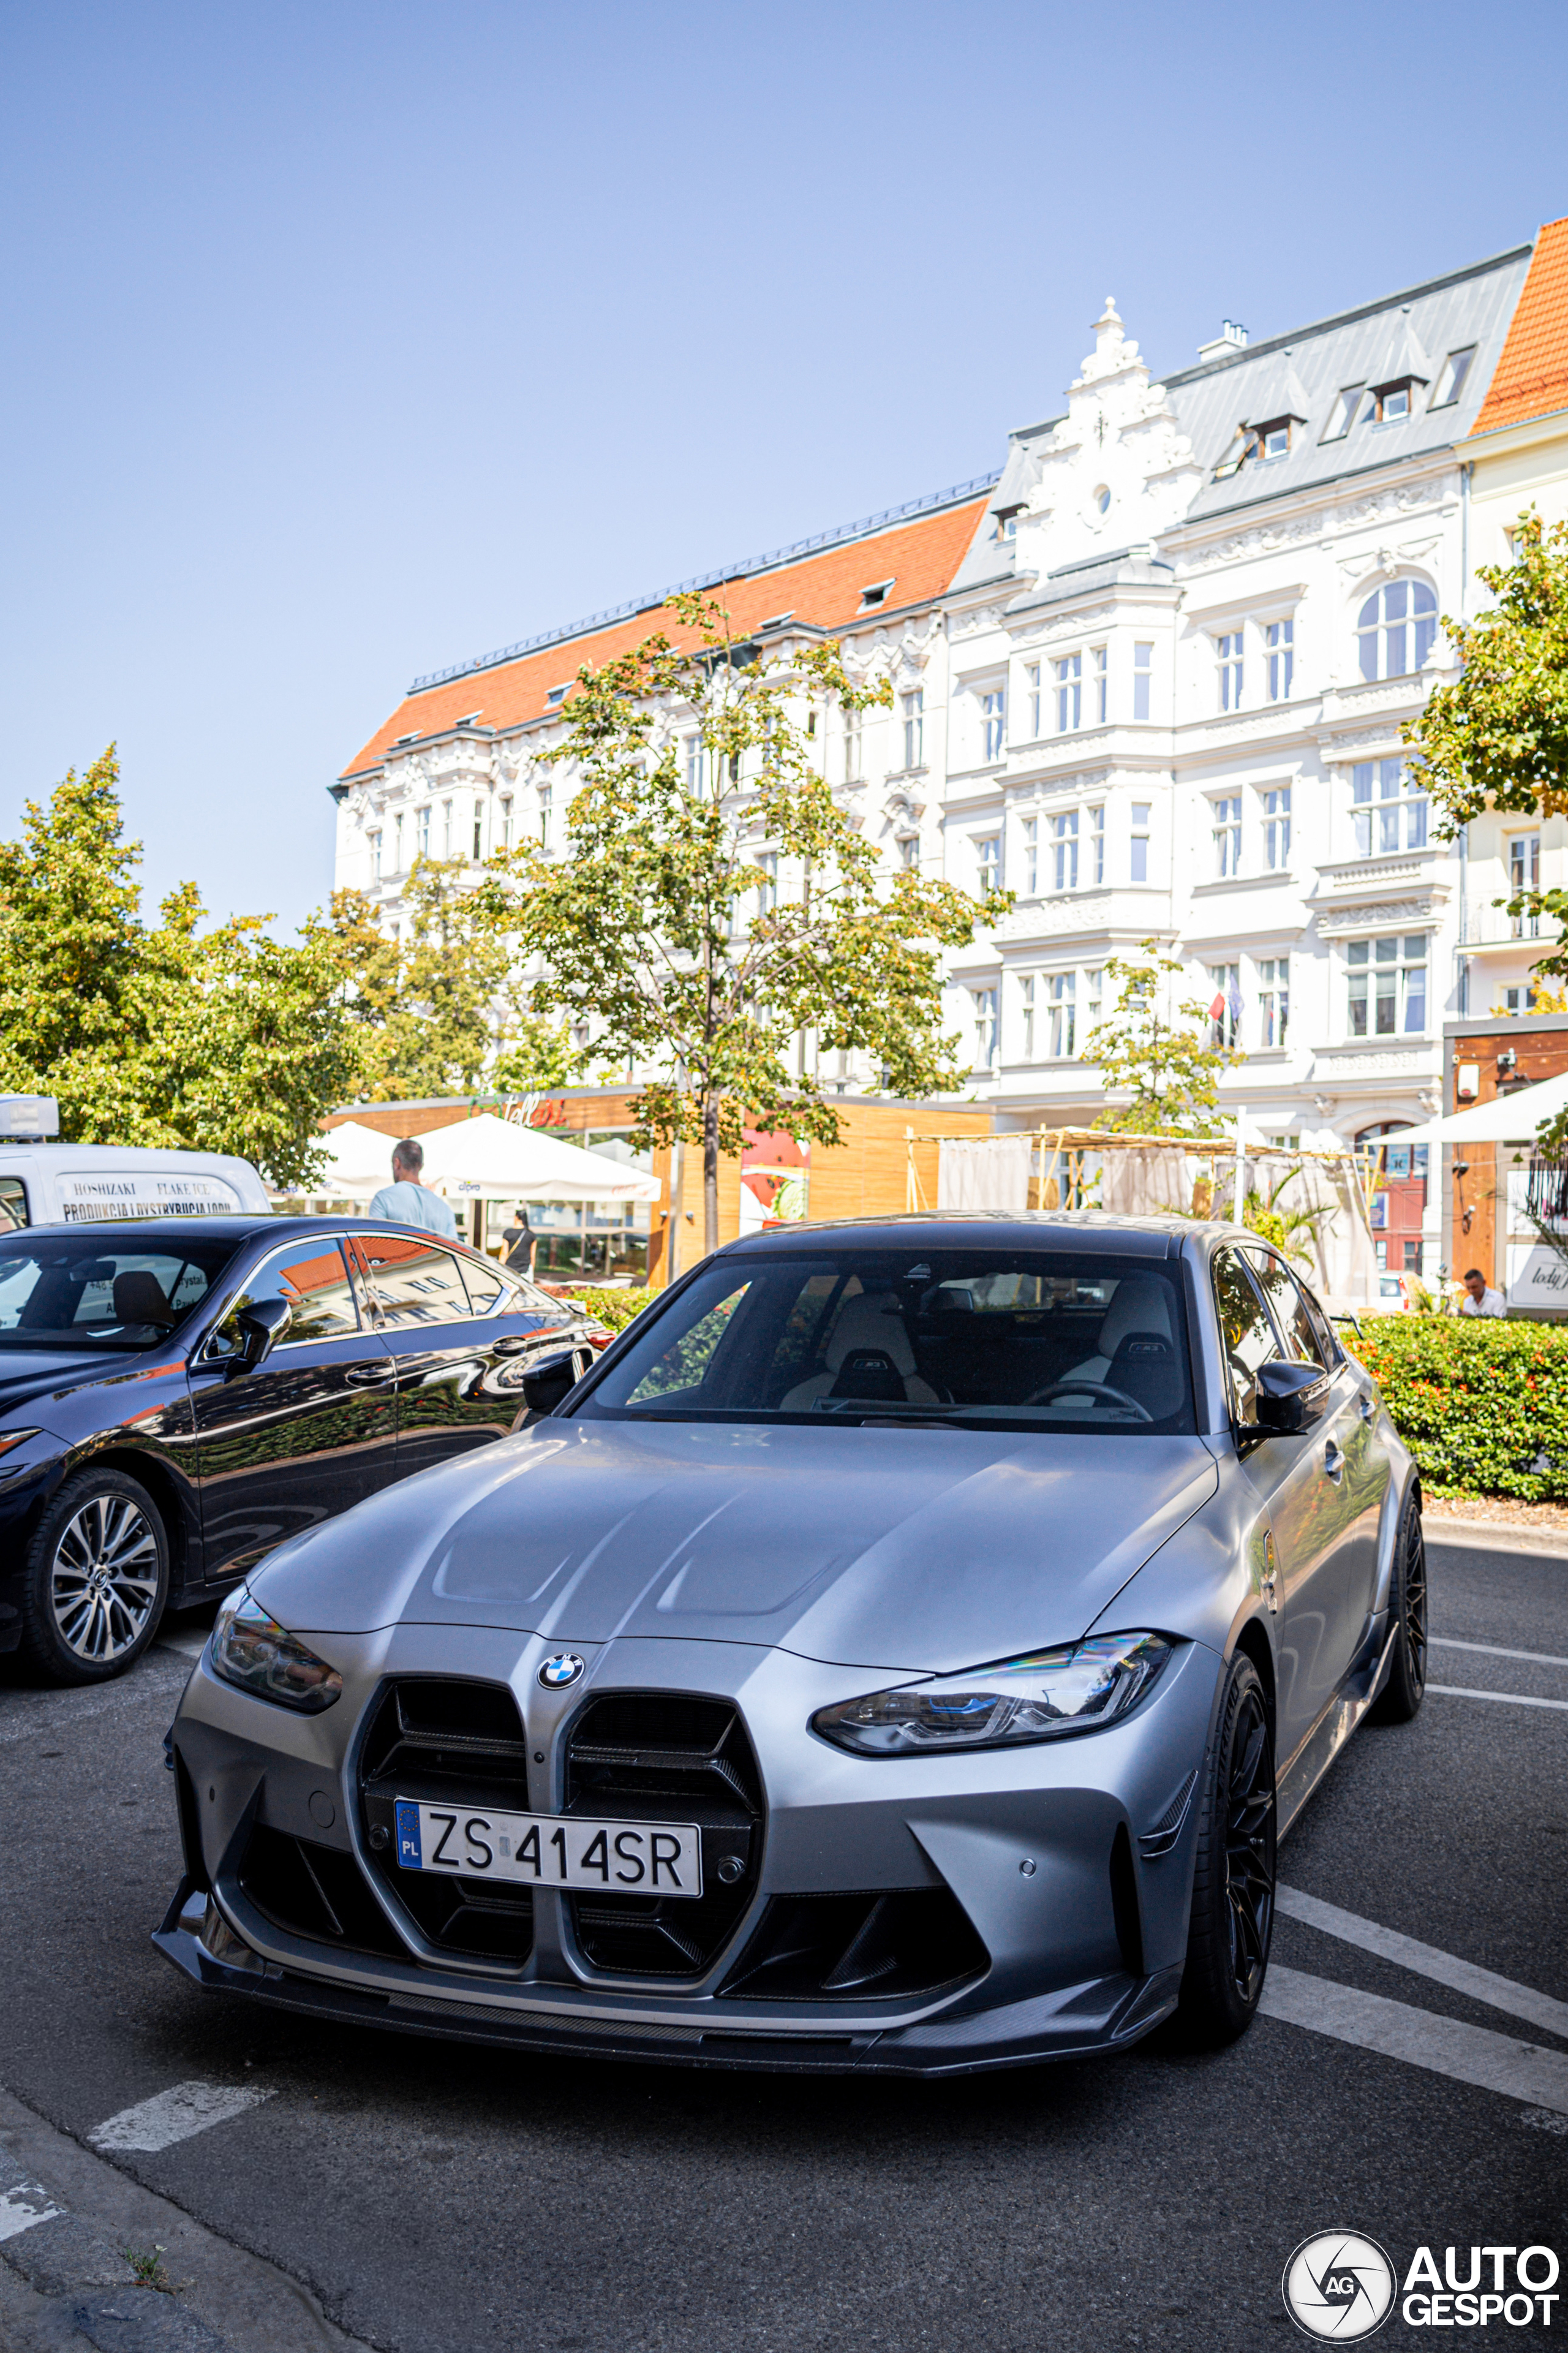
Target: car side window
x: 1281, y: 1289
x: 416, y: 1283
x: 488, y: 1293
x: 1246, y: 1331
x: 312, y: 1276
x: 1318, y: 1317
x: 13, y: 1204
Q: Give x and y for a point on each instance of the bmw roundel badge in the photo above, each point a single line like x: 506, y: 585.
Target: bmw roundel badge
x: 563, y: 1669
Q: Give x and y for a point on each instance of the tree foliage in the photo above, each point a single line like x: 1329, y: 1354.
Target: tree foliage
x: 1156, y: 1054
x: 222, y: 1040
x: 718, y: 902
x: 439, y: 1012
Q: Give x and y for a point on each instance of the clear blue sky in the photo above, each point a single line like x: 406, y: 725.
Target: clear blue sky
x: 346, y: 340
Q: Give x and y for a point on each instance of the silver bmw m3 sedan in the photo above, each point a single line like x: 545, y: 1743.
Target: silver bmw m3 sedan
x: 902, y: 1652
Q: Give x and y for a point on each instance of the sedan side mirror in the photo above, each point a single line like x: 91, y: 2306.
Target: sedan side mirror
x: 261, y: 1325
x: 552, y: 1378
x: 1290, y: 1397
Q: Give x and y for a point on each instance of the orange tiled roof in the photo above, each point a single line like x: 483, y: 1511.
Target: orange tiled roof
x: 1532, y: 376
x: 920, y: 558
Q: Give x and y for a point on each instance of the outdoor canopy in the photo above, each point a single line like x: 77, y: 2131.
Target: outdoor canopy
x: 495, y: 1157
x: 359, y: 1161
x: 1509, y: 1119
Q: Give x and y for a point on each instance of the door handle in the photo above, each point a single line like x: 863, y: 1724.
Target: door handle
x: 1366, y: 1409
x: 369, y: 1377
x: 1333, y: 1460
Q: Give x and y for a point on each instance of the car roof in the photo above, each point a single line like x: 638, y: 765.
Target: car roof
x: 1092, y: 1231
x: 235, y: 1230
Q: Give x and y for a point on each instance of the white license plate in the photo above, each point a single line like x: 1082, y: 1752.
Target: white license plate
x: 550, y: 1850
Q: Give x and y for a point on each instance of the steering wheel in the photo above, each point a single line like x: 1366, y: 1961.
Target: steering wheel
x: 1097, y: 1389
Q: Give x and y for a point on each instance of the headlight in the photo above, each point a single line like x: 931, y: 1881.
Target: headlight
x: 1078, y: 1689
x: 252, y: 1651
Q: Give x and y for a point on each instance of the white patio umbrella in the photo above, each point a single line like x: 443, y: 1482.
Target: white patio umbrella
x: 492, y: 1156
x: 359, y: 1162
x: 1507, y: 1119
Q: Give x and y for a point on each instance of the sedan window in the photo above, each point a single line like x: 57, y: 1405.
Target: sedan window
x: 1280, y: 1287
x: 487, y: 1290
x: 1249, y: 1336
x: 74, y: 1290
x: 311, y: 1277
x: 416, y: 1283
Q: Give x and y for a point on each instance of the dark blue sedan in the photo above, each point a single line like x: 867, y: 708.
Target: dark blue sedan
x: 177, y: 1396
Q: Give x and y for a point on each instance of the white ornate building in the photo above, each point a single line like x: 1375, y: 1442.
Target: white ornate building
x: 1151, y: 679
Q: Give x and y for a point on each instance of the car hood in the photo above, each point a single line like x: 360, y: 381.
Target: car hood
x: 924, y: 1550
x: 28, y: 1374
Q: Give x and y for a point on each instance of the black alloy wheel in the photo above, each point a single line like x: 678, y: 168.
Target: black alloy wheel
x: 1232, y: 1918
x: 1401, y: 1694
x: 98, y: 1578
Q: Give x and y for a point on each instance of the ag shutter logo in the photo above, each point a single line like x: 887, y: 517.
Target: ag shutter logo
x: 1339, y: 2284
x: 563, y: 1669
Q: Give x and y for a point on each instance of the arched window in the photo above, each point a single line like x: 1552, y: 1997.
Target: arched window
x: 1395, y: 626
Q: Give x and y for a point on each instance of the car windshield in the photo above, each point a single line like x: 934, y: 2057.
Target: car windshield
x: 1047, y: 1340
x: 80, y: 1290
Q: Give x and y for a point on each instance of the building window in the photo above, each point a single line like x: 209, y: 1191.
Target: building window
x: 1069, y: 693
x: 1031, y: 857
x: 1270, y: 440
x: 506, y: 820
x: 1064, y: 848
x: 446, y: 829
x: 1388, y: 807
x: 1091, y: 982
x: 1142, y: 668
x: 1394, y: 628
x: 1032, y: 680
x: 1097, y: 845
x: 1521, y: 999
x: 1344, y: 412
x: 1451, y: 381
x: 877, y: 594
x: 1027, y: 1010
x: 1101, y: 683
x: 914, y: 706
x: 993, y: 709
x: 1226, y: 830
x: 1277, y: 828
x: 1392, y: 401
x: 988, y: 857
x: 852, y: 746
x: 1273, y: 999
x: 423, y: 832
x: 479, y: 831
x: 1524, y: 874
x: 544, y: 816
x: 1230, y: 671
x: 909, y: 850
x: 984, y: 1000
x: 1142, y: 813
x: 1224, y: 1011
x: 397, y: 842
x: 375, y: 857
x: 1387, y: 987
x: 694, y: 764
x: 768, y: 889
x: 1064, y: 1016
x: 1280, y: 640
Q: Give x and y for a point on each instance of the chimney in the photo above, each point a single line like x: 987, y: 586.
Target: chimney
x: 1230, y: 337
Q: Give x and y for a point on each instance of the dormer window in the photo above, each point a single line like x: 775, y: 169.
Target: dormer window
x: 413, y: 738
x: 1394, y: 402
x: 555, y: 697
x: 778, y: 620
x: 1451, y: 379
x: 1006, y: 526
x: 1271, y: 440
x: 1347, y: 407
x: 874, y: 596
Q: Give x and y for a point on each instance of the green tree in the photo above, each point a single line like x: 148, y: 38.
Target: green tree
x: 227, y: 1040
x: 716, y: 902
x: 1156, y: 1054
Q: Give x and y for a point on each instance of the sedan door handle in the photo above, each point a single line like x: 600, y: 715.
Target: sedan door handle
x: 369, y: 1377
x: 1366, y: 1409
x: 1333, y: 1460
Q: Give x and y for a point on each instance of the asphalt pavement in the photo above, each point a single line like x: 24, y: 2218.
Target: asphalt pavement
x: 435, y: 2199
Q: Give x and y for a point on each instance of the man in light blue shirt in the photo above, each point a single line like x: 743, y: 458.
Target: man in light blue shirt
x: 406, y: 1202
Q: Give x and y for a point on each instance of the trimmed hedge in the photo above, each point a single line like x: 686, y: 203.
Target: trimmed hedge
x: 1481, y: 1404
x: 616, y: 1308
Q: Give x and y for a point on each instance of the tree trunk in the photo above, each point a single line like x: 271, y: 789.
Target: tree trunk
x: 710, y: 1173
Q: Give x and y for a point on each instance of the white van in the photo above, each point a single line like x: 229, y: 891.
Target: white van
x: 45, y: 1182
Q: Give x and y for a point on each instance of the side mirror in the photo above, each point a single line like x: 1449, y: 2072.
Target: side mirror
x: 261, y: 1325
x: 552, y: 1378
x: 1290, y: 1397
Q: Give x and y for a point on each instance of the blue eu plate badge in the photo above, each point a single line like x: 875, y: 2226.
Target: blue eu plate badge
x: 408, y: 1850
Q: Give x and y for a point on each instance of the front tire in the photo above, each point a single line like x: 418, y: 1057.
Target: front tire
x: 97, y: 1580
x: 1232, y: 1920
x: 1401, y: 1696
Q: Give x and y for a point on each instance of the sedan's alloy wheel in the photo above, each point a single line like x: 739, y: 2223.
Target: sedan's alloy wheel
x: 104, y: 1578
x: 1250, y: 1847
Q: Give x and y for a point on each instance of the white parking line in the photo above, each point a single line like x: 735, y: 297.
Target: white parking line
x: 1426, y: 1960
x: 174, y: 2115
x: 1444, y: 2046
x: 1509, y: 1699
x: 1491, y: 1651
x: 189, y: 1646
x: 24, y: 2203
